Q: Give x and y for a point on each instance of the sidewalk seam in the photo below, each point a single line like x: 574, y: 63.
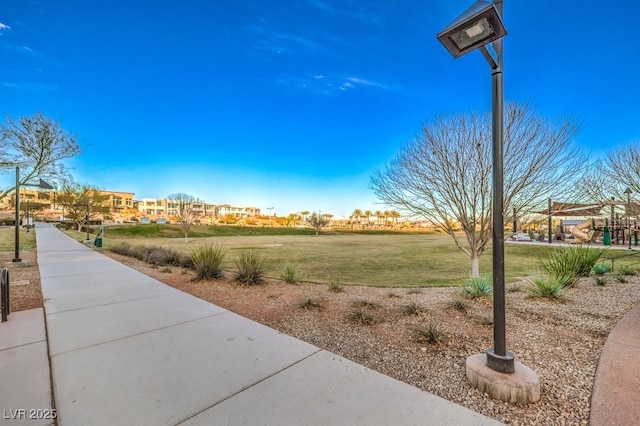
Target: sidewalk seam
x: 251, y: 385
x: 141, y: 333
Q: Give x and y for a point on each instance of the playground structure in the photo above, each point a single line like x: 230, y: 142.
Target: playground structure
x: 616, y: 231
x: 610, y: 223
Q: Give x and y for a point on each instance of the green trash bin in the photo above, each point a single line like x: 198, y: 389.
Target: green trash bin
x: 98, y: 241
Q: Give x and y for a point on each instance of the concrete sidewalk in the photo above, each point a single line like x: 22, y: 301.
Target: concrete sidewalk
x: 25, y: 386
x: 128, y: 350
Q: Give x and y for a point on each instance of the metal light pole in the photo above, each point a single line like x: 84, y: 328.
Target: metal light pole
x: 628, y: 192
x: 41, y: 184
x: 16, y: 257
x: 478, y: 26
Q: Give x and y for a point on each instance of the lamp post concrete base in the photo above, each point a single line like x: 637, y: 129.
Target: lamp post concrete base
x: 520, y: 387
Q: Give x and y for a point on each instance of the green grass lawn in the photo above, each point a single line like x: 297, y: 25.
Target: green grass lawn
x: 8, y: 241
x: 376, y: 259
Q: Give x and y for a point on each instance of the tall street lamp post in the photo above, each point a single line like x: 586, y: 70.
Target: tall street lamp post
x: 475, y: 28
x: 628, y: 192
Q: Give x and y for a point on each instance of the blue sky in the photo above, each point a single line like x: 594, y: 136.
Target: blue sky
x: 293, y: 104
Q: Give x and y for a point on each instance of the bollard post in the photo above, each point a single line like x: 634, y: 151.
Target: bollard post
x: 4, y: 294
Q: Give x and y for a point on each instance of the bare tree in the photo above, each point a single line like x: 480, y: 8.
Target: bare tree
x: 444, y: 174
x: 621, y: 170
x: 184, y: 205
x: 318, y: 221
x: 78, y: 200
x: 37, y: 145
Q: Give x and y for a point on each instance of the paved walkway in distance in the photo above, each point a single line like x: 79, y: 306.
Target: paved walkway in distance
x: 129, y: 350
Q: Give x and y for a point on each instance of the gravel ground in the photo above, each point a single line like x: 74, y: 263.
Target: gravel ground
x: 560, y: 340
x: 24, y: 281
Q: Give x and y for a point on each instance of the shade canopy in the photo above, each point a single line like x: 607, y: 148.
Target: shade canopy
x: 475, y: 27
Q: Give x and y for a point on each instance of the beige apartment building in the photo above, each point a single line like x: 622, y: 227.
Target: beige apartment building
x: 122, y: 205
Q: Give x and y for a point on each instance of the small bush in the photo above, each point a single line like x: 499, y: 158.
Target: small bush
x: 392, y: 295
x: 601, y: 269
x: 514, y: 288
x: 309, y: 303
x: 166, y: 270
x: 430, y: 334
x: 250, y: 267
x: 360, y: 316
x: 626, y: 270
x: 621, y: 279
x: 207, y: 262
x: 600, y: 281
x: 336, y: 287
x: 475, y: 287
x: 570, y: 262
x: 414, y: 291
x: 459, y: 304
x: 412, y: 308
x: 546, y: 287
x: 123, y: 248
x: 290, y: 273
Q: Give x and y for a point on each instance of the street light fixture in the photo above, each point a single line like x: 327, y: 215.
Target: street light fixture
x: 474, y: 29
x: 628, y: 191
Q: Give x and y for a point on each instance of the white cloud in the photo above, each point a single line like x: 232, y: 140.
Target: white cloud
x: 4, y: 26
x: 365, y: 82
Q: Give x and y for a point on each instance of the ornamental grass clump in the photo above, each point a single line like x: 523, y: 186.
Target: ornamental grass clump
x: 207, y: 262
x: 626, y: 270
x: 570, y: 263
x: 601, y: 269
x: 290, y: 273
x: 412, y: 308
x: 548, y: 287
x: 431, y: 334
x: 250, y: 268
x: 476, y: 287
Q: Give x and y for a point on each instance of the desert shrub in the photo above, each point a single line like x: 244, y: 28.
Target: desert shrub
x: 250, y: 268
x: 621, y: 278
x: 290, y: 273
x: 475, y: 287
x: 601, y: 269
x: 600, y: 281
x: 166, y: 270
x: 162, y: 256
x: 392, y: 295
x: 360, y: 316
x: 336, y: 287
x: 514, y: 288
x: 626, y: 270
x: 207, y: 262
x: 123, y: 248
x: 412, y: 308
x: 570, y: 263
x: 546, y: 287
x: 431, y: 334
x: 309, y: 303
x: 459, y: 304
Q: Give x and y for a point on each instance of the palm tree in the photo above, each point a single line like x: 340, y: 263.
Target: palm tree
x: 395, y: 216
x: 379, y: 216
x: 357, y: 214
x: 368, y: 214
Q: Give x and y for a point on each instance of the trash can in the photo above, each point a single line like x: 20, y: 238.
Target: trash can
x: 98, y: 241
